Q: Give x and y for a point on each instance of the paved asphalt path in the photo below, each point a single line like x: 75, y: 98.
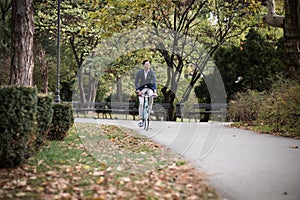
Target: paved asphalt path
x: 241, y: 165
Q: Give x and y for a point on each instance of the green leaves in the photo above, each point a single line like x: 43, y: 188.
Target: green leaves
x: 256, y: 59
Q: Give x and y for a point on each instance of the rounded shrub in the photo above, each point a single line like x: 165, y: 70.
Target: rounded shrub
x: 18, y: 125
x: 62, y: 121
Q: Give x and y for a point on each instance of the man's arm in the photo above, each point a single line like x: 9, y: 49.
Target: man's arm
x: 154, y: 84
x: 137, y: 80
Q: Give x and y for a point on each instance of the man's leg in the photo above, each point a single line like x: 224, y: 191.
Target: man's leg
x: 141, y: 103
x: 150, y: 93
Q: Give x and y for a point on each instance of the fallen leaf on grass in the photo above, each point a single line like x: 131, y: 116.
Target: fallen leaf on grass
x: 21, y: 183
x: 51, y: 173
x: 40, y: 162
x: 33, y: 177
x: 100, y: 180
x: 21, y: 194
x: 125, y: 179
x: 63, y: 196
x: 98, y: 173
x: 28, y: 189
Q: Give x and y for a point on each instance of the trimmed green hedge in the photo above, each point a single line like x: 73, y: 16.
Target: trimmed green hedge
x: 62, y: 121
x: 18, y: 109
x: 44, y: 118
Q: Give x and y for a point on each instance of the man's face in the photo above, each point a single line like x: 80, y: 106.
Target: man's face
x: 147, y: 65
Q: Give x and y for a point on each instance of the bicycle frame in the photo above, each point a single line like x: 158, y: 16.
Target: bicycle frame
x: 146, y: 112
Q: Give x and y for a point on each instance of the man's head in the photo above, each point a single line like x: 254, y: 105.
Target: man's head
x: 147, y: 64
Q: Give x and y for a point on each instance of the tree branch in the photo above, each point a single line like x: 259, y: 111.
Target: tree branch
x: 272, y: 18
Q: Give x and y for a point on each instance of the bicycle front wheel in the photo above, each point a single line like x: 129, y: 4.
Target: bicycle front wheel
x: 146, y: 123
x: 145, y: 116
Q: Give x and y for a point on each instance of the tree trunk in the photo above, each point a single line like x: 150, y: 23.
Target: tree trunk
x: 44, y: 70
x: 92, y: 87
x: 292, y: 37
x: 22, y: 43
x: 80, y: 86
x: 291, y: 27
x: 272, y: 18
x: 119, y: 89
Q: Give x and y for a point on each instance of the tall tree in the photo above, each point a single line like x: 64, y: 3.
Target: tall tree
x: 292, y: 36
x: 291, y: 26
x: 22, y: 42
x: 80, y: 32
x: 210, y: 23
x: 177, y: 29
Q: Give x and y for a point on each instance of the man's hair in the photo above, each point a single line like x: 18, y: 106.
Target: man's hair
x: 146, y: 61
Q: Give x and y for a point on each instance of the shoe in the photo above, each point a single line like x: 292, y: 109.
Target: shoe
x: 141, y: 123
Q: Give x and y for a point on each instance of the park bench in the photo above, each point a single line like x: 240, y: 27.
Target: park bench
x: 161, y: 110
x: 207, y: 109
x: 127, y: 108
x: 105, y: 108
x: 85, y: 107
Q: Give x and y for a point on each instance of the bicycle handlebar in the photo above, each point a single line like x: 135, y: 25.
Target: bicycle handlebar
x: 147, y: 95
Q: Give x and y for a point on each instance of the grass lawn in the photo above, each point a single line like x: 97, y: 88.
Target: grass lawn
x: 104, y: 162
x: 267, y: 129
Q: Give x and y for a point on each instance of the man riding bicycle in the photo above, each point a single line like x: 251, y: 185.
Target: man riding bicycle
x: 145, y: 82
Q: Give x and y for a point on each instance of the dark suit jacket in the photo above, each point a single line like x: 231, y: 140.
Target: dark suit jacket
x: 149, y: 82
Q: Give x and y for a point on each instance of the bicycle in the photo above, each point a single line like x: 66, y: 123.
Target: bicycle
x: 146, y: 111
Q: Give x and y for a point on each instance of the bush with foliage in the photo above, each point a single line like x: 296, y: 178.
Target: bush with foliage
x: 276, y: 111
x: 281, y: 109
x: 245, y: 105
x: 62, y: 121
x: 18, y: 125
x: 44, y: 118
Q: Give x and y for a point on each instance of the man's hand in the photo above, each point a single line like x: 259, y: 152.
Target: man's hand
x: 139, y: 93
